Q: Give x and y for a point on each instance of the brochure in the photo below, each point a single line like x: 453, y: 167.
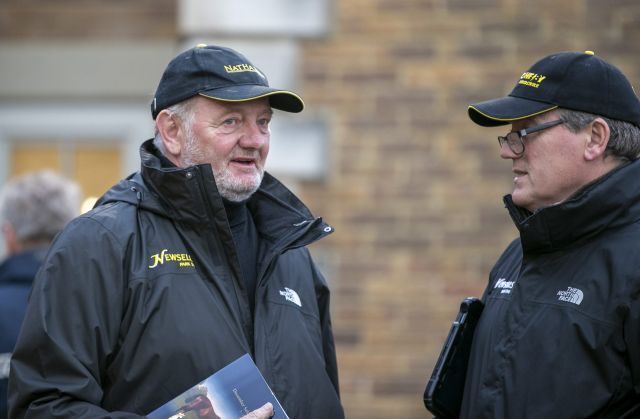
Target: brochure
x: 230, y: 393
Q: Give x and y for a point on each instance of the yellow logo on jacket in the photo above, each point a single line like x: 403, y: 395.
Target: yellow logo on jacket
x: 182, y: 259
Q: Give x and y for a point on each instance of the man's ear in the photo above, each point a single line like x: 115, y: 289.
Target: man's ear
x: 170, y: 131
x: 11, y: 241
x: 597, y: 139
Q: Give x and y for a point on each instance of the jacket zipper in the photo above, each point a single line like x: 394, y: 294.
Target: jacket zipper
x: 245, y: 312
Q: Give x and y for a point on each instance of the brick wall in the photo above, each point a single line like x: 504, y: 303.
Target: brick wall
x: 414, y: 188
x: 87, y: 19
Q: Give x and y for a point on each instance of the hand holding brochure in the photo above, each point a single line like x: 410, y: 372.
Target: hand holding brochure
x: 230, y: 393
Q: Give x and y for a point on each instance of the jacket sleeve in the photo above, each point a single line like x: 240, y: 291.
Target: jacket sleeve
x: 328, y: 344
x: 70, y: 328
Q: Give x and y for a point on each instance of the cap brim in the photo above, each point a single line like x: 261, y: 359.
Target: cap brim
x: 283, y: 100
x: 503, y: 111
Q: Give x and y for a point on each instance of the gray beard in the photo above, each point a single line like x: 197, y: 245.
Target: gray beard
x: 232, y: 190
x: 228, y: 186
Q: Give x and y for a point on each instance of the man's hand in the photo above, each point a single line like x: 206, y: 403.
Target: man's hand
x: 263, y: 412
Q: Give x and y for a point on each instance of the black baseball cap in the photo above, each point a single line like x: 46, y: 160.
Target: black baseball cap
x: 571, y: 80
x: 217, y: 73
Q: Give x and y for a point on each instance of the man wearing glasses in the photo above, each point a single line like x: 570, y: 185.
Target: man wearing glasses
x: 563, y: 339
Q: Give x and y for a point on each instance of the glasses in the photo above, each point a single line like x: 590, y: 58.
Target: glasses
x: 515, y: 140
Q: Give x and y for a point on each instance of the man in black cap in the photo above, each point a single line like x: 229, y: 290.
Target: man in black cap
x: 185, y: 266
x: 559, y: 336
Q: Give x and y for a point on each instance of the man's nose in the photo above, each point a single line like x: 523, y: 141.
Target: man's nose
x: 254, y: 136
x: 507, y: 153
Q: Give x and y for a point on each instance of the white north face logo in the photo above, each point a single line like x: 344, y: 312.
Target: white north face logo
x: 571, y: 295
x: 291, y: 295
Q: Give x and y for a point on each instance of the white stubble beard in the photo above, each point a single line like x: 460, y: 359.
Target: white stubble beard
x: 229, y: 187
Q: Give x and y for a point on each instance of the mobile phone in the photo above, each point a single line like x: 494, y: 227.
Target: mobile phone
x: 444, y: 391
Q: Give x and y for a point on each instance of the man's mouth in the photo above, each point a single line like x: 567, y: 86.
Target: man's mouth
x: 244, y: 161
x: 518, y: 174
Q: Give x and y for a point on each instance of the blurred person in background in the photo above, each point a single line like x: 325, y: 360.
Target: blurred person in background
x: 559, y: 336
x: 33, y: 209
x: 185, y: 266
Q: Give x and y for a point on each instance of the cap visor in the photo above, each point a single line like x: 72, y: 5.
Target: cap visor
x: 283, y: 100
x: 502, y: 111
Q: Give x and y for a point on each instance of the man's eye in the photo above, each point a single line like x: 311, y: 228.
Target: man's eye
x: 230, y: 121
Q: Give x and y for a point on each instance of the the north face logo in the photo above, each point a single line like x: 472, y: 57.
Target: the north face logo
x: 291, y: 295
x: 571, y: 295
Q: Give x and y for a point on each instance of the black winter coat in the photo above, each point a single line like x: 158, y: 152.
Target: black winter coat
x: 16, y: 275
x: 559, y: 336
x: 141, y: 298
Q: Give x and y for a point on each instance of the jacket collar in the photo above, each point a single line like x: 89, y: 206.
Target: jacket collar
x: 609, y: 202
x: 22, y: 267
x: 190, y: 195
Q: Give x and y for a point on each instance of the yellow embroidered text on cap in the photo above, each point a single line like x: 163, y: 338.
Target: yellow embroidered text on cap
x: 531, y: 79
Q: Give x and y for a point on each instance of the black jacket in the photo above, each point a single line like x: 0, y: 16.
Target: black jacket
x: 141, y: 298
x: 16, y: 275
x: 559, y: 336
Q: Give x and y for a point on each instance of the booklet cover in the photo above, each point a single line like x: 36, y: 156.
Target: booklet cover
x: 230, y: 393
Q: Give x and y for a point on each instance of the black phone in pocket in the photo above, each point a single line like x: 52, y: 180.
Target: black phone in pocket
x: 443, y: 394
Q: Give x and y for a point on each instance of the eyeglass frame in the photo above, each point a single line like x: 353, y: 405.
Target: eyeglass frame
x: 520, y: 134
